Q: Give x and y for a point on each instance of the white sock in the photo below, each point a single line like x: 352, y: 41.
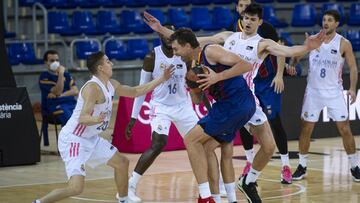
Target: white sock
x: 353, y: 160
x: 249, y: 155
x: 303, y: 159
x: 204, y: 190
x: 134, y: 179
x: 221, y: 182
x: 230, y: 191
x: 285, y: 159
x: 122, y: 199
x: 37, y: 201
x: 252, y: 176
x: 216, y: 197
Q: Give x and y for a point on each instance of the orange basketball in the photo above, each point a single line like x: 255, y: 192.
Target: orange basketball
x: 191, y: 77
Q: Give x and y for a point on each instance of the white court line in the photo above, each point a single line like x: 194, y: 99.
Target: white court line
x: 301, y: 190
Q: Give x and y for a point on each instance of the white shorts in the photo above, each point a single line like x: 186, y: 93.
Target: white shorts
x: 77, y: 151
x: 316, y: 100
x: 182, y: 115
x: 259, y: 117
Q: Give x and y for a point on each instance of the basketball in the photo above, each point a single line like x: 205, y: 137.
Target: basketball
x: 191, y: 77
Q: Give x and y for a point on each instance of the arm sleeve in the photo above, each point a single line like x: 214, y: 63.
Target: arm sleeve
x: 145, y: 77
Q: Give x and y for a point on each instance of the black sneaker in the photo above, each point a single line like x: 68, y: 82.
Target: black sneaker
x: 249, y: 191
x: 356, y: 173
x: 300, y: 173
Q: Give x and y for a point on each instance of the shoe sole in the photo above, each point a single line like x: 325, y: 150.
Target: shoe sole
x: 241, y: 190
x: 300, y: 178
x: 355, y: 179
x: 283, y: 181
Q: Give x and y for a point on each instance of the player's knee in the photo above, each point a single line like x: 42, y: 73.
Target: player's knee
x: 345, y: 130
x: 159, y: 144
x: 226, y: 152
x: 75, y: 190
x: 269, y: 148
x: 121, y: 162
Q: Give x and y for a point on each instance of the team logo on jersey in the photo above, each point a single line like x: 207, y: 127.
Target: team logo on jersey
x: 258, y: 120
x: 232, y: 43
x: 162, y: 66
x: 333, y: 51
x: 179, y: 66
x: 112, y: 147
x: 82, y: 167
x: 249, y: 48
x: 159, y: 127
x: 317, y: 56
x: 306, y: 114
x: 343, y: 116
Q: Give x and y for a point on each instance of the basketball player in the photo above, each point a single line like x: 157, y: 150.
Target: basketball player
x: 269, y: 85
x: 325, y: 89
x: 251, y: 47
x: 79, y: 141
x: 234, y: 104
x: 169, y: 103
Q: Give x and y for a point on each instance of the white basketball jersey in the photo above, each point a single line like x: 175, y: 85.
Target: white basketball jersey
x: 73, y: 126
x: 247, y: 49
x: 325, y: 65
x: 172, y: 91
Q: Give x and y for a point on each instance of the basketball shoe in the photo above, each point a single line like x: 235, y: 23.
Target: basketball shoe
x: 300, y: 173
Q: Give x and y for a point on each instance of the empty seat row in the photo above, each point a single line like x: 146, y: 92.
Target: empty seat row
x: 295, y: 1
x: 131, y: 21
x: 22, y: 53
x: 305, y: 15
x: 117, y: 3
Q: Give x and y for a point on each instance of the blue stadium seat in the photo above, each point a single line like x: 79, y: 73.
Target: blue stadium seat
x: 28, y: 55
x: 158, y: 14
x: 59, y: 23
x: 333, y: 6
x: 116, y: 49
x: 132, y: 21
x: 85, y: 48
x: 270, y: 16
x: 137, y: 48
x: 179, y: 2
x: 27, y: 3
x: 222, y: 1
x: 53, y: 3
x: 201, y: 2
x: 354, y: 37
x: 156, y: 42
x: 200, y: 19
x: 135, y: 3
x: 106, y: 21
x: 178, y: 17
x: 304, y: 15
x: 118, y: 3
x: 264, y: 1
x: 158, y: 2
x: 22, y: 53
x: 9, y: 34
x: 287, y: 38
x: 14, y: 54
x: 354, y: 17
x: 82, y: 22
x: 222, y: 17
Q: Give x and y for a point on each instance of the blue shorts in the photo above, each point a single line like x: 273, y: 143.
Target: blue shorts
x: 270, y: 102
x: 227, y: 116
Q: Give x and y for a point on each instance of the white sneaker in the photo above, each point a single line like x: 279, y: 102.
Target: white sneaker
x: 133, y: 199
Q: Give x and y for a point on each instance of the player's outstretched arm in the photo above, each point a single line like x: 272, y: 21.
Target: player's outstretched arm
x: 350, y: 60
x: 155, y: 25
x: 218, y: 38
x: 91, y: 94
x: 218, y: 55
x: 312, y: 42
x: 127, y: 91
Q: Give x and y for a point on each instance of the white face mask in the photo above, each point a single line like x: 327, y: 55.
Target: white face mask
x: 54, y: 65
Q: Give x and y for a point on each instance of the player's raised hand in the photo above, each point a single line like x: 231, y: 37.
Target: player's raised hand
x: 128, y: 130
x: 352, y: 95
x: 314, y: 41
x: 208, y: 78
x: 152, y: 22
x: 168, y: 72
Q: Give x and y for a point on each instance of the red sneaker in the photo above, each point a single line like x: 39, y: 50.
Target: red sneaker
x: 206, y: 200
